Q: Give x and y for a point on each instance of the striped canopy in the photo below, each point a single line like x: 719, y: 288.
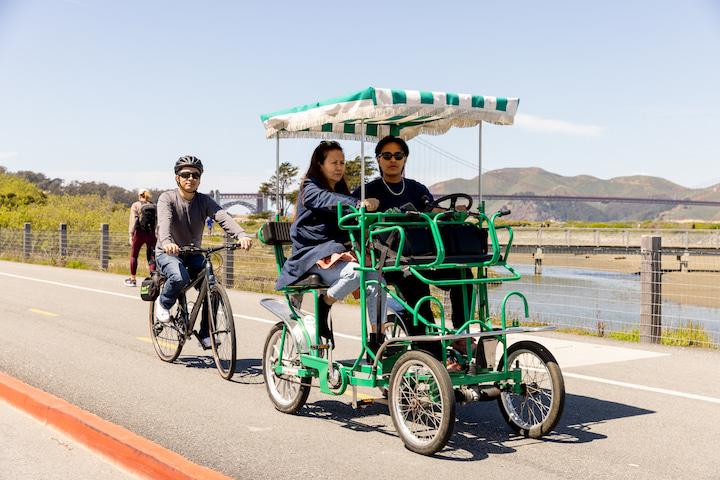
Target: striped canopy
x: 403, y: 113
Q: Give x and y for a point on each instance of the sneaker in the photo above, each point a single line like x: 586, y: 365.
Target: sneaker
x: 162, y: 314
x: 129, y: 282
x: 205, y: 343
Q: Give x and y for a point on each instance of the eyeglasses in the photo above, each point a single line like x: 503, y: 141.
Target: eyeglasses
x: 329, y: 143
x: 186, y: 175
x: 389, y: 155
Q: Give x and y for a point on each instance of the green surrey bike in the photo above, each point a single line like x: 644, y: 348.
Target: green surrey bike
x: 523, y: 377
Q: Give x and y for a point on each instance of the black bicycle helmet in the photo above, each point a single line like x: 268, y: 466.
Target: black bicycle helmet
x: 188, y: 161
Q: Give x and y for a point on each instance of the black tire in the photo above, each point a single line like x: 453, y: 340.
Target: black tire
x: 222, y: 332
x: 166, y: 338
x: 421, y: 381
x: 288, y: 393
x: 537, y: 410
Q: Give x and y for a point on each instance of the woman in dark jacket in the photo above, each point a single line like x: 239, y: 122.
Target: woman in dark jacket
x: 319, y: 245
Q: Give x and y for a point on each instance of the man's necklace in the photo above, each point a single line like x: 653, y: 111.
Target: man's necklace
x: 402, y: 190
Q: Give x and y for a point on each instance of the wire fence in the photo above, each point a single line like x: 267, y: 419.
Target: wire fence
x: 599, y: 293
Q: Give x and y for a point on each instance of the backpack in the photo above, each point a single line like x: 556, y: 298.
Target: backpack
x: 147, y: 217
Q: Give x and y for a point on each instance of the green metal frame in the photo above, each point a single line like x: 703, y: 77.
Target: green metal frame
x: 363, y: 227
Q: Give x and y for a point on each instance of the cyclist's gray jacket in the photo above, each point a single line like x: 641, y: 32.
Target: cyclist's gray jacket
x: 182, y: 222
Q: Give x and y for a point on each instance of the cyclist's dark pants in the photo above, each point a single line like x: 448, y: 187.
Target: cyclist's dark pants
x: 412, y: 290
x: 178, y: 271
x: 140, y: 238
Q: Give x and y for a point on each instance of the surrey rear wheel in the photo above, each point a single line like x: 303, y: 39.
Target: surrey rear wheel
x: 287, y: 392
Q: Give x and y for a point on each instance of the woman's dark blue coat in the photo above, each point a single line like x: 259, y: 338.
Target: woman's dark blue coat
x: 314, y: 233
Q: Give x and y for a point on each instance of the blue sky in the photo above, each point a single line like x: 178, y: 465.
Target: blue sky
x: 116, y: 91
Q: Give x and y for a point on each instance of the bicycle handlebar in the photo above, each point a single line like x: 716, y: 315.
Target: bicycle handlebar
x: 208, y: 251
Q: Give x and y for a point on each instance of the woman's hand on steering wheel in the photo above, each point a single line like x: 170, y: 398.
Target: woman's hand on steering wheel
x: 370, y: 204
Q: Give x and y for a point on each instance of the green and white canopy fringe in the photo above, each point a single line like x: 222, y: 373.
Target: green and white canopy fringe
x: 383, y: 111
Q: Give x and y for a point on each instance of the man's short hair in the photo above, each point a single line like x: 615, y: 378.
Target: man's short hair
x: 392, y: 139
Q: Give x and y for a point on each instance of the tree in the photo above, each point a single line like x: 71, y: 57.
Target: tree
x: 284, y: 178
x: 352, y: 171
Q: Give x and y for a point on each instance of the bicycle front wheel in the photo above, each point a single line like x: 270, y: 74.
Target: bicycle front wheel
x: 222, y: 332
x: 166, y: 338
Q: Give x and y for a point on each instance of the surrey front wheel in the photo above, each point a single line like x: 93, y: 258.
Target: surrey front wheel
x: 222, y: 332
x: 537, y: 408
x: 422, y: 402
x: 287, y: 392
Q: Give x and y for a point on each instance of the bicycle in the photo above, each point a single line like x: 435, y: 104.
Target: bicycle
x: 168, y: 338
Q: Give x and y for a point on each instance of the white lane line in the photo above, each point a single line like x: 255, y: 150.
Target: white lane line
x: 77, y: 287
x: 42, y: 312
x: 645, y: 388
x: 352, y: 337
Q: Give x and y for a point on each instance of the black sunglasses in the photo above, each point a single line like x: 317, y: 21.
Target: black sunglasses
x: 389, y: 155
x: 187, y: 175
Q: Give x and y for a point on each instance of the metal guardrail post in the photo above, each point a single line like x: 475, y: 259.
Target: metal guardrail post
x: 650, y: 289
x: 538, y: 255
x: 597, y: 238
x: 27, y: 240
x: 63, y: 240
x: 104, y: 246
x: 626, y: 235
x: 229, y: 265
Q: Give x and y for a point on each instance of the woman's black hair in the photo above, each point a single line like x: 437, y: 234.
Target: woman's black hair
x: 318, y: 158
x: 314, y: 171
x: 392, y: 139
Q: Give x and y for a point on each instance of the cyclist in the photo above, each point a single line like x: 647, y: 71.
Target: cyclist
x: 181, y: 220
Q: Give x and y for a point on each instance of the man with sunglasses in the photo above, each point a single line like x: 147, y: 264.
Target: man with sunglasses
x: 394, y: 191
x: 181, y: 215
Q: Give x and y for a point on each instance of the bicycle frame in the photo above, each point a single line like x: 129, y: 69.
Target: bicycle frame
x: 204, y: 279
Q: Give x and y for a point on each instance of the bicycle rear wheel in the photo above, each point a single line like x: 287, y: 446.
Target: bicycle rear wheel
x: 166, y: 338
x: 222, y: 332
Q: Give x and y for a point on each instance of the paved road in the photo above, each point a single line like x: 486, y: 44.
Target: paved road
x: 31, y: 450
x: 650, y: 412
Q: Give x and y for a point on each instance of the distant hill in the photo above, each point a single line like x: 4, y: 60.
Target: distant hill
x: 541, y: 182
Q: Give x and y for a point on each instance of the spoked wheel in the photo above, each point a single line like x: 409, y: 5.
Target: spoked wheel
x: 536, y: 410
x: 167, y: 339
x: 288, y: 392
x: 222, y: 332
x: 394, y: 327
x: 422, y: 402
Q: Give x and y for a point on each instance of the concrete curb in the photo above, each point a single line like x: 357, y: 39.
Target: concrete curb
x: 133, y: 452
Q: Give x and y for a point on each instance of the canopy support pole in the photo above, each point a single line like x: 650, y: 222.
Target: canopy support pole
x: 362, y: 160
x: 480, y: 195
x: 277, y: 172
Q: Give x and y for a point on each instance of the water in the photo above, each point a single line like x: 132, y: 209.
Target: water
x: 571, y: 297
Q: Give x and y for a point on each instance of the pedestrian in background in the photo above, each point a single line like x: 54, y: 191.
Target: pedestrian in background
x: 143, y: 221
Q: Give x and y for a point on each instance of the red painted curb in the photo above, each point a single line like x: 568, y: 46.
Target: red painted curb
x: 133, y: 452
